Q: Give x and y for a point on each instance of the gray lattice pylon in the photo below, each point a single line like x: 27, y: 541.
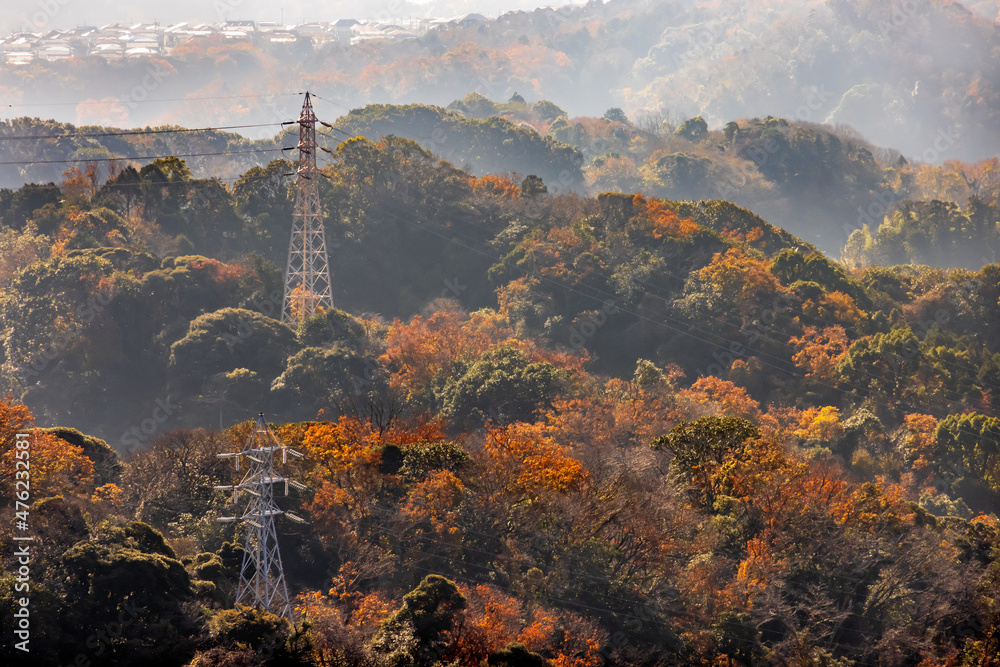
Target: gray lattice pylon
x: 262, y: 576
x: 307, y: 273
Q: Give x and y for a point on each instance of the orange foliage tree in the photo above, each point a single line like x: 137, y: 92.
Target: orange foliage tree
x: 525, y: 460
x: 79, y: 184
x: 50, y: 466
x: 434, y: 501
x: 418, y: 351
x: 344, y: 459
x: 622, y: 412
x: 501, y: 186
x: 921, y: 441
x: 818, y: 351
x: 739, y: 278
x: 834, y: 307
x: 663, y: 221
x: 726, y: 396
x: 492, y: 619
x: 820, y: 424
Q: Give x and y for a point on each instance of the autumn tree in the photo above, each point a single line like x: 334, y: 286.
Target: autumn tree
x: 730, y: 399
x: 44, y: 464
x: 418, y: 351
x: 819, y: 351
x: 699, y: 449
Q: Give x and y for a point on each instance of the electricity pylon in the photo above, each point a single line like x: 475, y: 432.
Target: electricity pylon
x: 262, y: 577
x: 307, y: 274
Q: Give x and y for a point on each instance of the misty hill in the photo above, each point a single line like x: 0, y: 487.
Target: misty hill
x: 489, y: 145
x: 37, y: 151
x: 821, y: 183
x: 40, y: 151
x: 901, y: 77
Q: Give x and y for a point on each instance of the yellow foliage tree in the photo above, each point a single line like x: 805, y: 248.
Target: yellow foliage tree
x: 820, y: 424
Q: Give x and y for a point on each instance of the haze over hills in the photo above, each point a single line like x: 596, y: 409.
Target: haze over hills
x: 918, y: 76
x: 62, y: 14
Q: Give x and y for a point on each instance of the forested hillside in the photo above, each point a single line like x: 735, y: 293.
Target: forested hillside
x: 541, y: 426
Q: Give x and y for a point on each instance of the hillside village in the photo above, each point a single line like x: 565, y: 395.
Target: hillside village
x: 117, y: 41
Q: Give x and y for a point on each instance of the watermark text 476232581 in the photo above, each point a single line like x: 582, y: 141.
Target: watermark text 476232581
x: 22, y: 551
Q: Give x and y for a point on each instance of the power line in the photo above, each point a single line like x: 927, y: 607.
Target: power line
x: 179, y: 130
x: 166, y: 99
x: 139, y: 157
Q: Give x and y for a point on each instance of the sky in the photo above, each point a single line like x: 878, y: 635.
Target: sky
x: 41, y: 15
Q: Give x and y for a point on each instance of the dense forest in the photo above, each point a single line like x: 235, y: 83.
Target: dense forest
x: 543, y: 426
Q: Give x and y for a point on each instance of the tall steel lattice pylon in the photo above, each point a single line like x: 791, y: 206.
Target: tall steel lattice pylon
x: 262, y: 577
x: 307, y: 274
